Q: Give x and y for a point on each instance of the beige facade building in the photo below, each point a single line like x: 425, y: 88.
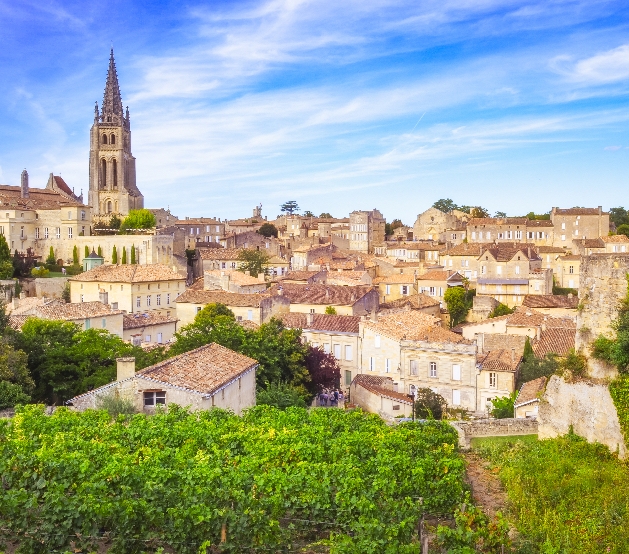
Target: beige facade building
x: 497, y: 376
x: 366, y: 230
x: 578, y: 223
x: 201, y: 230
x: 378, y: 395
x: 396, y: 286
x: 315, y: 298
x: 433, y: 224
x: 436, y: 282
x: 209, y: 377
x: 132, y: 288
x: 416, y: 352
x: 149, y: 328
x: 233, y: 281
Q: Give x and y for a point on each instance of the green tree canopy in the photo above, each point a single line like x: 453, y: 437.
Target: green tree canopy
x: 87, y: 251
x: 458, y: 304
x: 308, y: 213
x: 619, y: 216
x: 51, y: 260
x: 446, y: 205
x: 623, y: 229
x: 330, y: 310
x: 503, y: 406
x: 138, y: 219
x: 281, y: 395
x: 75, y: 255
x: 500, y: 310
x: 429, y: 404
x: 500, y: 214
x: 326, y: 215
x: 290, y: 207
x: 6, y: 261
x: 133, y: 261
x: 124, y: 256
x: 268, y: 230
x: 253, y: 261
x: 114, y: 255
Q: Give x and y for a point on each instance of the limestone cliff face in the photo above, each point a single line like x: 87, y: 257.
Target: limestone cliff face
x: 603, y: 284
x: 587, y: 407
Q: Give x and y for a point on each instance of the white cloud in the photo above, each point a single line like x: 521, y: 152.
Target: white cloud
x: 607, y: 67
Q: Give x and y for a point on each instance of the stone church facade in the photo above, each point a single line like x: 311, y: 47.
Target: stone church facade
x: 112, y: 188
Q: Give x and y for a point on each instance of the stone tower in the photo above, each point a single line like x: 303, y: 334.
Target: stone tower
x: 112, y: 166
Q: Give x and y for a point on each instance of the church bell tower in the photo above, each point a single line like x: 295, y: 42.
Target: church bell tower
x: 112, y: 166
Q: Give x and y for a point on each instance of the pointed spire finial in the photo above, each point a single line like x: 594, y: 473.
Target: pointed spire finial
x: 112, y: 102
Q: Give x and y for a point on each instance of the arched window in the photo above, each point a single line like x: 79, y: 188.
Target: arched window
x: 103, y: 165
x: 108, y: 119
x: 113, y: 139
x: 114, y: 170
x: 109, y: 206
x: 104, y: 139
x: 116, y: 206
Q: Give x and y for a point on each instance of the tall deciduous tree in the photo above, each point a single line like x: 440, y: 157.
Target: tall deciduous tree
x: 138, y: 219
x: 458, y: 304
x: 253, y: 261
x: 268, y: 230
x: 446, y: 205
x: 290, y: 207
x: 6, y: 261
x: 324, y: 369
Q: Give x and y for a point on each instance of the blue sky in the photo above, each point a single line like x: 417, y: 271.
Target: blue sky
x: 512, y: 105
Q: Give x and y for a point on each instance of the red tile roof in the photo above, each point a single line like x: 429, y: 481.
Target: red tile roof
x: 550, y: 301
x: 221, y: 297
x: 413, y: 325
x: 414, y: 301
x: 130, y: 274
x: 329, y: 295
x: 577, y: 211
x: 379, y: 385
x: 135, y: 321
x: 500, y: 360
x: 554, y: 341
x: 531, y: 391
x: 322, y: 322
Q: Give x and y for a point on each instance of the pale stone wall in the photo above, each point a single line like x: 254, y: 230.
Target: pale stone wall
x: 167, y: 331
x: 50, y: 287
x: 111, y: 323
x: 432, y: 223
x: 493, y: 428
x: 586, y: 407
x: 569, y: 227
x: 505, y: 385
x: 376, y: 404
x: 487, y: 326
x: 603, y: 285
x: 481, y: 308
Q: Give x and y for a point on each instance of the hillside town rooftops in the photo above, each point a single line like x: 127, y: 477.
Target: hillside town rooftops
x: 550, y: 301
x: 414, y: 326
x: 129, y: 274
x: 322, y: 322
x: 221, y: 297
x: 136, y: 321
x: 531, y: 391
x: 329, y: 295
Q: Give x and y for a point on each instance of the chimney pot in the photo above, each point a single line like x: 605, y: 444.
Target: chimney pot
x: 125, y: 368
x: 309, y: 319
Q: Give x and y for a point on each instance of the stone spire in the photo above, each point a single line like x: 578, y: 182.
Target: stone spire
x: 112, y: 102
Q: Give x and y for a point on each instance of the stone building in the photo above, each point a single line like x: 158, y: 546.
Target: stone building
x: 433, y: 224
x: 378, y: 395
x: 366, y: 230
x: 211, y: 376
x: 578, y: 223
x: 149, y: 328
x: 112, y: 176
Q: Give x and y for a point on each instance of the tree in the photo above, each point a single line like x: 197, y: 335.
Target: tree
x: 324, y: 370
x: 114, y: 256
x: 326, y: 215
x: 500, y: 310
x: 51, y: 260
x: 11, y: 395
x: 390, y: 227
x: 500, y: 214
x: 87, y: 251
x: 268, y: 230
x: 124, y: 256
x: 446, y: 205
x: 308, y: 213
x: 253, y: 261
x: 114, y: 222
x: 281, y: 396
x: 330, y: 310
x: 100, y: 252
x: 133, y: 254
x: 457, y: 303
x: 290, y: 207
x: 65, y: 294
x: 623, y: 229
x: 14, y: 368
x: 503, y: 406
x: 429, y: 404
x: 619, y: 216
x: 532, y: 368
x: 75, y: 255
x: 138, y: 219
x: 6, y: 262
x: 478, y: 211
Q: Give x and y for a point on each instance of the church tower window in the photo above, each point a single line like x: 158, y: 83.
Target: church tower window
x: 113, y: 139
x: 104, y: 172
x: 109, y: 206
x: 114, y: 172
x: 104, y: 139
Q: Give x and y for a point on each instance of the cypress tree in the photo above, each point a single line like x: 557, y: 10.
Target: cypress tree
x: 5, y: 252
x: 132, y: 254
x: 51, y: 257
x: 114, y: 256
x: 75, y: 255
x: 87, y: 250
x: 100, y: 252
x: 124, y: 255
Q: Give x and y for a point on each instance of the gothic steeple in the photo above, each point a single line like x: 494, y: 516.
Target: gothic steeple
x: 112, y: 102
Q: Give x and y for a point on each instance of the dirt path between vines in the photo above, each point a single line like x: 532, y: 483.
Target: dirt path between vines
x: 487, y: 491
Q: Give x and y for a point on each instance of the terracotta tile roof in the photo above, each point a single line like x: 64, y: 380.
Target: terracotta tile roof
x: 466, y: 249
x: 220, y: 253
x: 322, y: 322
x: 299, y: 275
x: 130, y: 274
x: 77, y: 310
x: 590, y: 243
x: 616, y: 239
x: 504, y: 252
x: 531, y: 391
x: 414, y: 301
x: 539, y: 223
x: 396, y: 278
x: 246, y: 324
x: 38, y: 199
x: 554, y: 341
x: 525, y: 317
x: 26, y: 305
x: 135, y: 321
x: 550, y: 250
x: 237, y: 277
x: 16, y: 321
x: 329, y: 295
x: 440, y: 275
x: 480, y: 221
x: 550, y: 301
x: 221, y: 297
x: 61, y: 184
x: 336, y: 278
x: 413, y: 325
x: 570, y: 258
x: 378, y: 385
x: 577, y: 211
x: 197, y: 285
x: 500, y: 360
x: 198, y: 221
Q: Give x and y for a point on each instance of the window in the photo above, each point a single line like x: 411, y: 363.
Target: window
x: 148, y: 299
x: 168, y: 298
x: 69, y: 232
x: 376, y: 341
x: 404, y: 290
x: 103, y: 323
x: 517, y: 289
x: 413, y: 367
x: 104, y: 139
x: 348, y: 377
x: 563, y: 225
x: 488, y: 235
x: 571, y: 269
x: 563, y: 237
x: 250, y: 315
x: 69, y: 215
x: 518, y: 234
x: 517, y: 270
x: 22, y: 232
x: 456, y: 397
x: 58, y: 232
x: 433, y: 369
x: 388, y: 287
x: 349, y: 353
x: 326, y: 348
x: 147, y: 338
x: 88, y: 324
x: 483, y: 269
x: 571, y: 283
x: 191, y: 231
x: 36, y: 232
x: 83, y: 215
x: 387, y: 365
x: 456, y: 372
x: 337, y: 351
x: 493, y: 379
x: 154, y: 398
x: 81, y: 298
x: 372, y: 364
x: 473, y: 235
x: 198, y: 309
x: 137, y: 302
x: 312, y: 310
x: 499, y: 270
x: 432, y: 291
x: 576, y: 232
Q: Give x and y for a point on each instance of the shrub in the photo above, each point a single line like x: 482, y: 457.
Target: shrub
x: 575, y: 363
x: 281, y: 395
x: 330, y: 310
x: 429, y: 404
x: 500, y: 310
x: 74, y: 269
x: 11, y: 395
x: 51, y: 259
x: 503, y: 406
x: 40, y: 272
x: 116, y: 405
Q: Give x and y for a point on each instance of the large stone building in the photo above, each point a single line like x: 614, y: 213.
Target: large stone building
x: 113, y: 188
x: 366, y: 230
x: 433, y: 224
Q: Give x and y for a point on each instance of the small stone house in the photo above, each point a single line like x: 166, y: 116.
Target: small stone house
x: 436, y: 282
x: 419, y: 302
x: 148, y: 329
x: 553, y: 305
x: 497, y: 374
x: 396, y: 286
x: 377, y: 395
x: 211, y: 376
x: 233, y: 281
x: 527, y: 401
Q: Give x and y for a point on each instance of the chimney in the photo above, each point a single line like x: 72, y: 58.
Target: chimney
x: 512, y: 357
x: 24, y: 184
x: 374, y: 316
x: 103, y: 296
x: 125, y: 368
x: 309, y: 319
x: 261, y: 277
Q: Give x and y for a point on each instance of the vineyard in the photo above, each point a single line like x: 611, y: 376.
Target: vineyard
x: 270, y: 481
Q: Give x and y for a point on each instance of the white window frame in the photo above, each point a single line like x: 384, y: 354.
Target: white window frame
x: 432, y: 369
x: 456, y: 372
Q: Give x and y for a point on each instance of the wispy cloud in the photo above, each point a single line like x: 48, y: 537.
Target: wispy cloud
x: 605, y: 67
